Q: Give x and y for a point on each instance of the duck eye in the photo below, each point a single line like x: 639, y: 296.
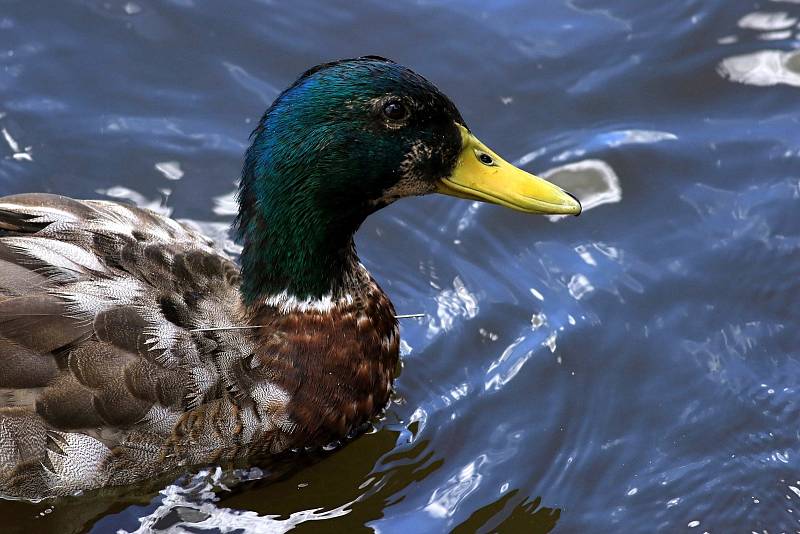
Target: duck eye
x: 485, y: 158
x: 395, y: 110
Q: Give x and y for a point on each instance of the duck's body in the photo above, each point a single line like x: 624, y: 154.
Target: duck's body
x: 108, y: 372
x: 129, y: 347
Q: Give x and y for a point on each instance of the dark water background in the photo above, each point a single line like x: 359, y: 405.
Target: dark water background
x: 636, y: 369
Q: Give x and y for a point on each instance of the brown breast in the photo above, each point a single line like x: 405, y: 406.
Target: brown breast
x: 335, y: 362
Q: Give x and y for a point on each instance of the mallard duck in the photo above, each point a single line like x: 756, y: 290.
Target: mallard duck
x: 130, y: 347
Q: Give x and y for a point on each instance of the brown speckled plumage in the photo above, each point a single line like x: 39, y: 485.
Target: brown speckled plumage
x: 359, y: 345
x: 103, y: 382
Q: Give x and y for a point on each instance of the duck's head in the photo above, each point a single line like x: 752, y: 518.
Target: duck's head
x: 352, y: 136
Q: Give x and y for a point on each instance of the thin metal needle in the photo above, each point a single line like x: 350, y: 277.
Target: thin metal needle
x: 216, y: 328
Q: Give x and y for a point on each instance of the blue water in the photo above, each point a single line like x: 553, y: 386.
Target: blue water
x: 635, y: 369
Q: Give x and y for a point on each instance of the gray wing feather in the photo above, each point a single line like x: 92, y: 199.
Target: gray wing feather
x: 101, y: 378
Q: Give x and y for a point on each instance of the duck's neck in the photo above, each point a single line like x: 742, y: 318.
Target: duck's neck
x: 294, y: 247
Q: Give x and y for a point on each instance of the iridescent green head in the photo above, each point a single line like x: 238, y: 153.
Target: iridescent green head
x: 344, y: 140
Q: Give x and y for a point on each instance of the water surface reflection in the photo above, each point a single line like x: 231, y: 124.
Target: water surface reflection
x: 634, y: 369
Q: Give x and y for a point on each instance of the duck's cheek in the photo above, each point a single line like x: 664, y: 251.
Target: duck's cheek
x: 405, y: 187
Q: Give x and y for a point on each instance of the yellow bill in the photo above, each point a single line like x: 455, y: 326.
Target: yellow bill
x: 480, y: 174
